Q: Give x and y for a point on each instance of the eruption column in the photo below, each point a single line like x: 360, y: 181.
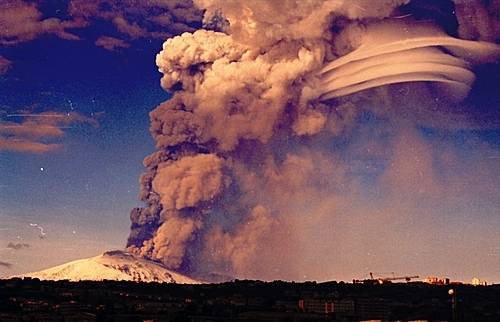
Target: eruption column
x: 244, y: 158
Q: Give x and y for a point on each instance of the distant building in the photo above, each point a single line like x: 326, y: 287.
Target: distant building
x: 35, y: 305
x: 437, y: 280
x: 344, y: 306
x: 478, y: 282
x: 362, y: 307
x: 313, y: 305
x: 371, y: 308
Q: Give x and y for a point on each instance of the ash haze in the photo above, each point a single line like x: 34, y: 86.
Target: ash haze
x: 298, y: 140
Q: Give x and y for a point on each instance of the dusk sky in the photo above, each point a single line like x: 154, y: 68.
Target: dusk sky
x: 414, y: 189
x: 81, y: 192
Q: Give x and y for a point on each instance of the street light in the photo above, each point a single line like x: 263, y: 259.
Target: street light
x: 454, y: 312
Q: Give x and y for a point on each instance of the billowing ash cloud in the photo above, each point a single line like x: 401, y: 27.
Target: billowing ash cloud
x: 251, y: 147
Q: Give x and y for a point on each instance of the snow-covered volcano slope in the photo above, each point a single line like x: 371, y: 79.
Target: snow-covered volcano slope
x: 113, y: 265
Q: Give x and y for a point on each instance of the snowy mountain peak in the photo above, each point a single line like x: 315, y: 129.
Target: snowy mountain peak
x: 113, y: 265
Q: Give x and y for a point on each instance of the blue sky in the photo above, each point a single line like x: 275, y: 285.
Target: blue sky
x: 90, y: 184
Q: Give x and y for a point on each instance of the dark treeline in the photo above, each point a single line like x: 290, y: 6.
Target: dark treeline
x: 35, y: 300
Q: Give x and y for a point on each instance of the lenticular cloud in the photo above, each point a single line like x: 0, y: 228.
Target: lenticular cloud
x: 396, y: 51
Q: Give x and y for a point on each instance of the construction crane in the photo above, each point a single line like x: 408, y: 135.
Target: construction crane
x: 397, y: 278
x: 382, y: 280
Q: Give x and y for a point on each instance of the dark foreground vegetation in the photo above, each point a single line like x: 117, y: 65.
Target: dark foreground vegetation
x: 35, y: 300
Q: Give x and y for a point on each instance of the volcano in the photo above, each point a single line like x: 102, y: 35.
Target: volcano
x: 113, y: 265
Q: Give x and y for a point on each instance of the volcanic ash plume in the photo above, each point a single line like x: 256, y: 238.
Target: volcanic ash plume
x: 244, y: 166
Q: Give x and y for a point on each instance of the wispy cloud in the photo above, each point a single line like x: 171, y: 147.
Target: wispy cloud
x: 160, y: 19
x: 111, y: 43
x: 25, y: 146
x: 24, y: 22
x: 131, y: 29
x: 5, y: 264
x: 17, y: 246
x: 35, y: 133
x: 139, y: 19
x: 5, y: 65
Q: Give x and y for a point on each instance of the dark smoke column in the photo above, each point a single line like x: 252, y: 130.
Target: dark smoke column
x: 241, y: 152
x: 224, y: 93
x: 217, y: 192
